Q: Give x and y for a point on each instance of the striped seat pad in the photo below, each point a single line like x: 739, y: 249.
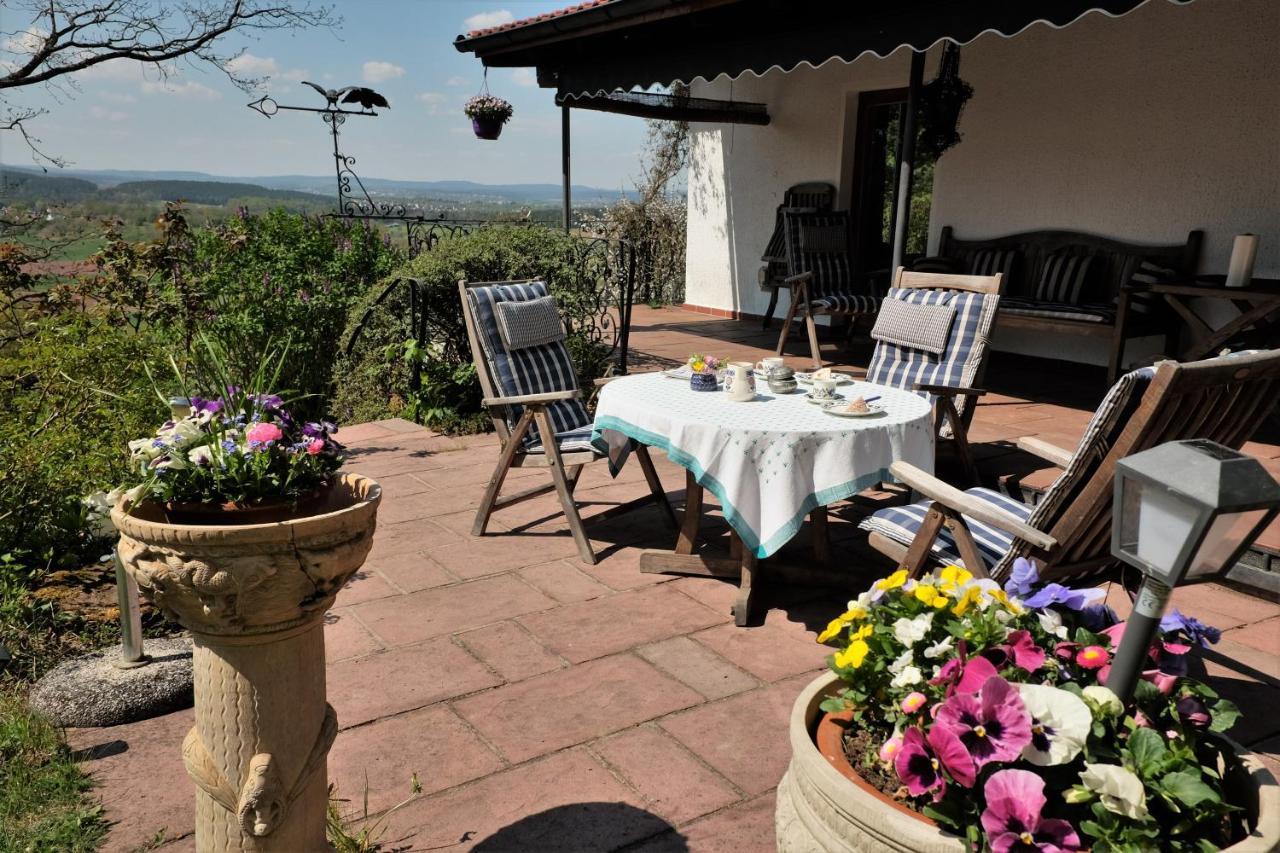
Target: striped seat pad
x: 845, y: 303
x: 1065, y: 278
x: 578, y: 438
x: 901, y: 523
x: 832, y: 270
x: 958, y: 364
x: 533, y: 370
x: 1105, y: 314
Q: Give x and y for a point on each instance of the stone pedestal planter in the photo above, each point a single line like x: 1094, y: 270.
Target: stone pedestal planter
x: 253, y: 597
x: 821, y: 811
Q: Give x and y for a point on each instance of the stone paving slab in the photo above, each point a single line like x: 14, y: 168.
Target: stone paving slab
x: 548, y: 704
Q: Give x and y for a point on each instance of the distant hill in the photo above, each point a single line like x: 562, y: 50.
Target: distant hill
x: 200, y: 192
x: 28, y: 186
x: 323, y: 184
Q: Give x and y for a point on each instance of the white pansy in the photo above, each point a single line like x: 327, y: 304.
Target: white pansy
x: 1060, y: 723
x: 202, y: 455
x: 1051, y: 622
x: 1107, y: 702
x: 132, y: 495
x: 904, y: 660
x: 172, y: 462
x: 863, y: 601
x: 184, y: 431
x: 1119, y: 790
x: 909, y: 676
x: 942, y: 648
x: 144, y: 449
x: 98, y: 512
x: 911, y: 631
x: 1002, y: 616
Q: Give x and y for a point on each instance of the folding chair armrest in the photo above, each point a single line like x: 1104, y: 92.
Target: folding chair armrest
x: 532, y: 399
x: 1048, y: 452
x: 976, y: 508
x: 798, y: 278
x: 948, y: 390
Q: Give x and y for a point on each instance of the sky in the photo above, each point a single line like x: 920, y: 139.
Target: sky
x: 124, y: 117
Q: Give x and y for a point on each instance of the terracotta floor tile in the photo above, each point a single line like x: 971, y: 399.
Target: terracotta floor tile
x: 417, y: 535
x: 769, y: 652
x: 559, y: 709
x: 403, y: 679
x: 501, y: 552
x: 602, y: 626
x: 433, y: 744
x: 365, y: 585
x: 411, y: 571
x: 744, y: 828
x: 743, y: 737
x: 673, y: 782
x: 1264, y: 636
x: 345, y: 637
x: 564, y: 582
x: 405, y: 619
x: 566, y: 802
x: 511, y: 651
x: 697, y: 666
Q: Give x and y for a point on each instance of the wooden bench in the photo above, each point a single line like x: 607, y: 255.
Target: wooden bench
x: 1114, y: 264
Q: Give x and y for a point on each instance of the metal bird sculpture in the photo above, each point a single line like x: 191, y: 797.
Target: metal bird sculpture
x: 330, y: 95
x: 366, y: 98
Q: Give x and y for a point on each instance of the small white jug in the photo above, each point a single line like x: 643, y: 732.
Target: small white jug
x: 738, y: 383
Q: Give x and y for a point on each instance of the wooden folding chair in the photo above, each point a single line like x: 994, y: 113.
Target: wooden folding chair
x: 801, y: 198
x: 1069, y: 532
x: 947, y: 373
x: 532, y: 394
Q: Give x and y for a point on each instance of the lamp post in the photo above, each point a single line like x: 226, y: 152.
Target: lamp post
x: 1184, y: 511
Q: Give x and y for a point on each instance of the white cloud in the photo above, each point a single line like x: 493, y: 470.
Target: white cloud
x: 380, y: 72
x: 484, y: 20
x: 117, y: 69
x: 248, y: 65
x: 525, y: 77
x: 26, y: 42
x: 432, y: 101
x: 107, y: 115
x: 117, y: 97
x: 457, y: 80
x: 188, y: 89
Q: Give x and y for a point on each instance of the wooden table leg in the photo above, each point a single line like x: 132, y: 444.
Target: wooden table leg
x: 692, y: 514
x: 821, y: 534
x: 742, y: 604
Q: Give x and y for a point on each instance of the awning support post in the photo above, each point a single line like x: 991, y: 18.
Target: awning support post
x: 564, y: 166
x: 906, y: 161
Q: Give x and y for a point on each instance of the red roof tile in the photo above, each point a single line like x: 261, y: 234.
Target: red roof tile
x: 537, y: 19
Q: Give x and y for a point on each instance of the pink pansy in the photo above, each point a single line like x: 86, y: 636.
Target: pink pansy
x: 950, y: 750
x: 1092, y: 657
x: 315, y: 446
x: 1020, y: 649
x: 264, y: 432
x: 914, y: 701
x: 1193, y: 712
x: 993, y: 724
x: 917, y: 767
x: 965, y: 676
x: 1013, y: 821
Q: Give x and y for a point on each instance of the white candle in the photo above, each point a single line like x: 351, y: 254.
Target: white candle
x: 1243, y: 252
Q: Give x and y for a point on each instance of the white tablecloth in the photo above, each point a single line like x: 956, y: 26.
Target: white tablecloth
x: 772, y: 460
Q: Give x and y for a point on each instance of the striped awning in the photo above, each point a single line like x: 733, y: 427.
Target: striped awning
x: 604, y: 46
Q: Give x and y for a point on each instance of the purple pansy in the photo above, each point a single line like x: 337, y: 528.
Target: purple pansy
x: 1022, y: 578
x: 1193, y: 712
x: 918, y: 767
x: 964, y: 676
x: 1056, y: 593
x: 993, y: 724
x: 1098, y: 616
x: 1013, y: 821
x: 1196, y: 631
x: 204, y: 404
x: 1019, y: 649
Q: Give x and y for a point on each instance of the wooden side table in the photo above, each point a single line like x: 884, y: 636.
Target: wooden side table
x: 1259, y: 306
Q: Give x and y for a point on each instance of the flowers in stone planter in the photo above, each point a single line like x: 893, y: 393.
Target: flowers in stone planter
x: 989, y: 705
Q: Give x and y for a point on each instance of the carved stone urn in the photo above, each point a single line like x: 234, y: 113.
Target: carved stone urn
x: 253, y: 597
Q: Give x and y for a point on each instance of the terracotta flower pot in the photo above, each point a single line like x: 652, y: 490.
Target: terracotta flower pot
x: 824, y: 805
x: 262, y: 512
x: 486, y: 128
x: 254, y: 597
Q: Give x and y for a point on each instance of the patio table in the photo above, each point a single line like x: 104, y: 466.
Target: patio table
x: 769, y: 462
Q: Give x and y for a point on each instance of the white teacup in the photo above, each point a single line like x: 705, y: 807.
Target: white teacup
x: 767, y: 365
x: 823, y: 389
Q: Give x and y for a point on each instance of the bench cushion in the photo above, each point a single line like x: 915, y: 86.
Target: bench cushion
x: 845, y: 303
x: 1102, y: 314
x: 1065, y: 278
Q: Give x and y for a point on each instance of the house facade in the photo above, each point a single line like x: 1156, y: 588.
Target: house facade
x: 1140, y: 127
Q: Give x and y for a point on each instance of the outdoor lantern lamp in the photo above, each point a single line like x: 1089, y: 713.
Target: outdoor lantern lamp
x: 1184, y: 511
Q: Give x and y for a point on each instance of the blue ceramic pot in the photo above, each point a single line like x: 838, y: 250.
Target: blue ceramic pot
x: 703, y: 382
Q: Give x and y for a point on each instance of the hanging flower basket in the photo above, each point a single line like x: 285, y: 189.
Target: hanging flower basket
x: 488, y: 114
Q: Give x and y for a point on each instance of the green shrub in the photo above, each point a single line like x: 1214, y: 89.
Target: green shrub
x: 377, y: 378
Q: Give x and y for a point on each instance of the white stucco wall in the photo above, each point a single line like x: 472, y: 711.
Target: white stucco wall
x: 1141, y: 128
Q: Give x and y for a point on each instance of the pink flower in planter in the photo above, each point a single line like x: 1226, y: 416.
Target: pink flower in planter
x: 315, y: 446
x: 920, y: 761
x: 1012, y: 820
x: 890, y: 749
x: 1092, y: 657
x: 913, y: 702
x: 993, y: 724
x: 264, y: 432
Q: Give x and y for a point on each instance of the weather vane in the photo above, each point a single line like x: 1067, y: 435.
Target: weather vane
x: 358, y: 203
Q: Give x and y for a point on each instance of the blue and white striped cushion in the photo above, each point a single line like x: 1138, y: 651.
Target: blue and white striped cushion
x: 1058, y: 310
x: 957, y: 365
x: 534, y: 370
x: 832, y: 271
x: 1065, y: 278
x: 992, y: 261
x: 901, y: 523
x: 845, y: 303
x: 578, y: 438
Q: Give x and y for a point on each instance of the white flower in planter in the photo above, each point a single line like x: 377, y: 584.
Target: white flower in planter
x: 1119, y: 789
x: 1060, y: 723
x: 909, y: 676
x: 904, y: 660
x: 1107, y: 702
x: 911, y: 631
x: 940, y: 649
x: 1051, y: 622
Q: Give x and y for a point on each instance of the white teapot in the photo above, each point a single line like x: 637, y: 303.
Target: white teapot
x: 738, y: 381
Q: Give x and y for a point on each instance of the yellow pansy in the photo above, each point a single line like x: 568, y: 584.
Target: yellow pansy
x: 861, y: 634
x: 854, y: 614
x: 894, y: 581
x: 853, y: 656
x: 953, y: 577
x: 926, y: 593
x: 1001, y: 596
x: 968, y: 599
x: 834, y: 627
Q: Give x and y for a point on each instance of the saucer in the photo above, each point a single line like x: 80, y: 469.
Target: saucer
x: 821, y: 401
x: 872, y: 409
